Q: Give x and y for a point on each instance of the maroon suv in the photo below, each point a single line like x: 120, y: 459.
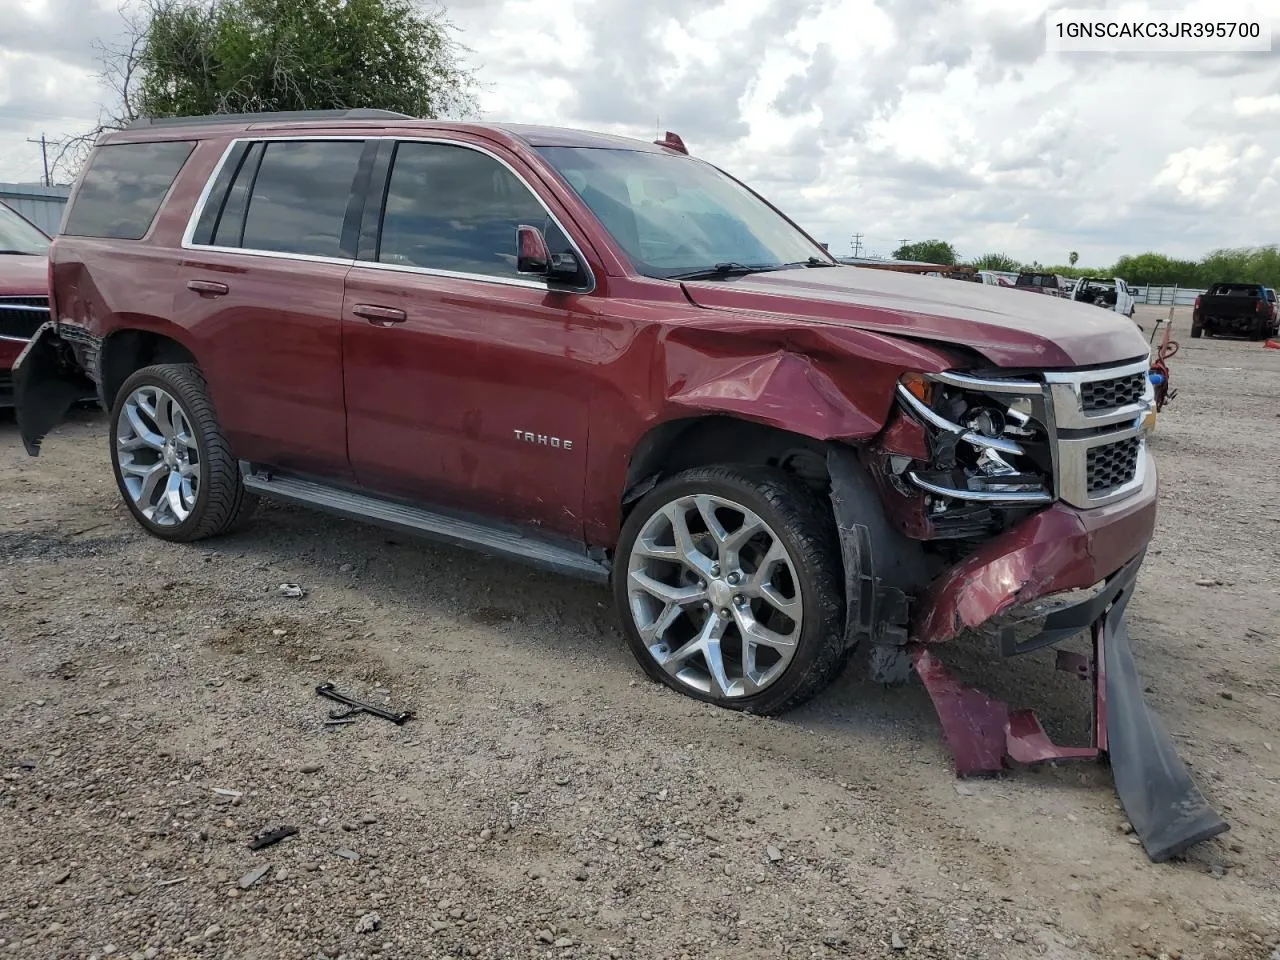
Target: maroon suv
x: 611, y: 359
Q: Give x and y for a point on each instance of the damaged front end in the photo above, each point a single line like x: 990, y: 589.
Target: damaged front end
x: 1029, y: 501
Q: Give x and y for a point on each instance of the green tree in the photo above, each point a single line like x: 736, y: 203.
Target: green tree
x: 1156, y: 268
x: 928, y: 251
x: 228, y: 56
x: 1073, y: 258
x: 196, y: 57
x: 997, y: 261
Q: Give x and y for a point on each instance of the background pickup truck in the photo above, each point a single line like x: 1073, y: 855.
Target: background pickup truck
x: 1240, y: 308
x: 1110, y: 293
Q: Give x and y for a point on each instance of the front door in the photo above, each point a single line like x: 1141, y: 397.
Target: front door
x: 467, y: 385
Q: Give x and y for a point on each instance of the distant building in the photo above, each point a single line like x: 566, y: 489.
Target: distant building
x: 40, y: 204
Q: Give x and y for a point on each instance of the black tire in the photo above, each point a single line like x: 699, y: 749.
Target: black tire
x: 221, y: 502
x: 1196, y: 331
x: 805, y: 526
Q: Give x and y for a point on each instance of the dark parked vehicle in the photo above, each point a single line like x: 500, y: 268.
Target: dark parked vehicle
x: 1238, y: 308
x: 24, y: 290
x: 613, y: 360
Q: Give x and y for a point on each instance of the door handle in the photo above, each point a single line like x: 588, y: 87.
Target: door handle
x: 381, y: 316
x: 208, y: 288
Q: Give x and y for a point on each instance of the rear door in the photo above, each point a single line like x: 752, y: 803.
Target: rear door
x: 261, y: 283
x: 467, y: 384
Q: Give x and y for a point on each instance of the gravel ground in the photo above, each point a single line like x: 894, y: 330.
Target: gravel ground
x: 158, y: 712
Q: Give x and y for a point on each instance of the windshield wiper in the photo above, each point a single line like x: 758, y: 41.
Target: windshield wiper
x: 21, y: 253
x: 723, y: 270
x: 812, y: 262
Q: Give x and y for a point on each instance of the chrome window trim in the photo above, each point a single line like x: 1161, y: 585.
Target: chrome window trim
x: 21, y: 306
x: 203, y: 199
x: 8, y: 339
x: 457, y: 275
x: 196, y: 212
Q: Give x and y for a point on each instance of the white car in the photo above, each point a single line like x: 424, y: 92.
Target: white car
x: 1110, y: 293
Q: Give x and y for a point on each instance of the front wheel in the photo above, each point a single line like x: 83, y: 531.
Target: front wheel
x: 172, y: 463
x: 730, y: 587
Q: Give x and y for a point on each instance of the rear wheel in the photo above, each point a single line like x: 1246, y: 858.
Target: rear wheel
x: 729, y: 584
x: 1196, y: 331
x: 172, y: 463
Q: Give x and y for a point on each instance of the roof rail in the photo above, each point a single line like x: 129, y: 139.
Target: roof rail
x: 361, y: 113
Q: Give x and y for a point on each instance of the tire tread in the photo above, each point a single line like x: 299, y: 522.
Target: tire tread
x: 226, y: 502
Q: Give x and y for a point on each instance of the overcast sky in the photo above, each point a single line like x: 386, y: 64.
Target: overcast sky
x: 891, y: 118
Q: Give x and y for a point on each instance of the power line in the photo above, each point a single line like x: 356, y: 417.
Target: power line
x: 857, y: 244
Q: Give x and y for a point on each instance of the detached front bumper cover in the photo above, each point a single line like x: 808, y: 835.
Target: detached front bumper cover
x: 1056, y: 550
x: 1167, y: 810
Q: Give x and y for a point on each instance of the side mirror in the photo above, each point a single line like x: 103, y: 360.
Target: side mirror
x: 533, y: 256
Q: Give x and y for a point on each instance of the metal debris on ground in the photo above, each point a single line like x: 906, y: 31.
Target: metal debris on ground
x: 268, y: 837
x: 291, y: 590
x: 254, y: 875
x: 327, y: 691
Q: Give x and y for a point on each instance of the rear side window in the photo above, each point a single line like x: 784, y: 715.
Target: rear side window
x: 123, y: 188
x: 298, y: 197
x: 456, y: 209
x: 1235, y: 290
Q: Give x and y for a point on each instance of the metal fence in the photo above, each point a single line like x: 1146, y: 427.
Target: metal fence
x: 40, y: 204
x: 1167, y: 296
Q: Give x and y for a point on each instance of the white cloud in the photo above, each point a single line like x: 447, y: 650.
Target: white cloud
x: 891, y: 118
x: 1257, y: 106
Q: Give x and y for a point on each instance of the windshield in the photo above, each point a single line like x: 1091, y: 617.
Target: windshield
x: 676, y: 215
x: 18, y: 236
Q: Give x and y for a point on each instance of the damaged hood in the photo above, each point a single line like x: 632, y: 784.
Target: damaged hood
x: 1011, y: 328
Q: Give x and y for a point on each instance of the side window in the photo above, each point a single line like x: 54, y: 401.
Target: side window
x: 297, y: 197
x: 454, y: 208
x: 123, y: 188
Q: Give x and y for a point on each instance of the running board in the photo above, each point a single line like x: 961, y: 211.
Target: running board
x: 417, y: 521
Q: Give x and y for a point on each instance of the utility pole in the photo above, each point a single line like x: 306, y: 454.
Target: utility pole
x: 857, y: 244
x: 44, y: 156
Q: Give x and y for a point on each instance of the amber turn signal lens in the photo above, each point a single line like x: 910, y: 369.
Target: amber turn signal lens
x: 918, y: 387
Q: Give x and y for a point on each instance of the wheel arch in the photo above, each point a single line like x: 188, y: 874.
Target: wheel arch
x: 127, y: 350
x: 706, y: 439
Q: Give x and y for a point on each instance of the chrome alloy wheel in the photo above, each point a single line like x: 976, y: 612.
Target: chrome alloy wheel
x: 158, y: 458
x: 715, y: 596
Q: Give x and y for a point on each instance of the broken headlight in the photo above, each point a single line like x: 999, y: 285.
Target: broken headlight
x: 989, y: 440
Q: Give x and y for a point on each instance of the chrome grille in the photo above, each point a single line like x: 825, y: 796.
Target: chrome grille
x: 20, y: 317
x: 1112, y: 465
x: 1104, y: 394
